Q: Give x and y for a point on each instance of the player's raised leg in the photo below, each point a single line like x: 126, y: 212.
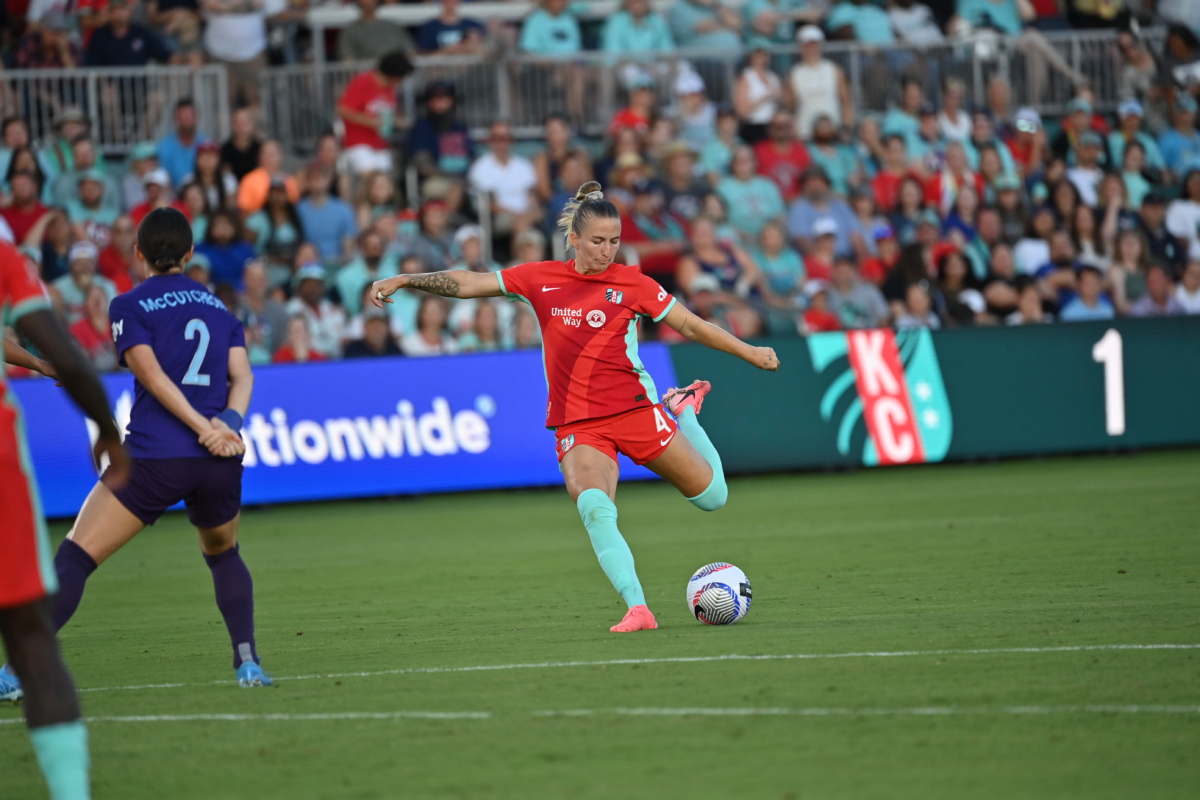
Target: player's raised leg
x: 692, y: 465
x: 234, y: 591
x: 591, y: 477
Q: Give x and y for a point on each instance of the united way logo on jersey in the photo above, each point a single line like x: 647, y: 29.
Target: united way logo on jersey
x: 899, y: 394
x: 596, y: 318
x: 614, y: 296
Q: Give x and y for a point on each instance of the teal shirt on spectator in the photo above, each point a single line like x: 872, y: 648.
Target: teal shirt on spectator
x: 784, y: 29
x: 624, y: 34
x: 716, y: 156
x: 840, y: 166
x: 354, y: 277
x: 548, y: 35
x: 984, y: 13
x: 899, y: 121
x: 1116, y: 148
x: 751, y: 203
x: 1136, y: 188
x: 684, y: 17
x: 1007, y: 165
x: 784, y: 271
x: 871, y: 23
x: 104, y: 215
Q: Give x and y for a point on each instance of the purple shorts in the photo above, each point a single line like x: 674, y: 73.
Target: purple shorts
x: 211, y: 488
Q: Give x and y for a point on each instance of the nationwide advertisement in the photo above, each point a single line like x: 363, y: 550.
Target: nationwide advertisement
x: 374, y: 427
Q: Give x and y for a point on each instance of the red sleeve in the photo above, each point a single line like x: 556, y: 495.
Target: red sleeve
x: 652, y: 300
x: 20, y: 288
x: 357, y: 93
x: 933, y: 191
x: 519, y: 282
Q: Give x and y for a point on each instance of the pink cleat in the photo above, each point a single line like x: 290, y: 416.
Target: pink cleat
x: 637, y: 618
x: 676, y: 400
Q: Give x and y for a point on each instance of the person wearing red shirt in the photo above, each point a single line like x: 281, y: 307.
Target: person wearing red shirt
x: 818, y: 318
x: 1028, y: 142
x: 368, y: 112
x: 886, y: 185
x: 93, y: 333
x: 117, y: 262
x: 25, y: 210
x: 782, y: 157
x: 655, y: 234
x: 298, y: 347
x: 639, y: 112
x: 602, y: 400
x: 158, y: 195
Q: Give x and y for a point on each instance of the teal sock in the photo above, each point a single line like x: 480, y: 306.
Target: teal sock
x: 62, y: 753
x: 717, y: 492
x: 616, y: 559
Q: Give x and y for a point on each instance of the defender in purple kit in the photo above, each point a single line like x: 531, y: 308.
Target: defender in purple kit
x: 193, y: 386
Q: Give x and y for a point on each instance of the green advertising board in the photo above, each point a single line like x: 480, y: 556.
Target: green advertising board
x: 883, y: 398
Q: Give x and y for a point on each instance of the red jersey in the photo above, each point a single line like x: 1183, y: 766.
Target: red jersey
x: 114, y: 267
x: 139, y: 212
x: 21, y: 220
x: 364, y: 95
x: 784, y: 168
x: 589, y: 335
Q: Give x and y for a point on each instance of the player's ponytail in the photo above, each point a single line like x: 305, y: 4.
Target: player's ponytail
x: 164, y: 239
x: 589, y: 204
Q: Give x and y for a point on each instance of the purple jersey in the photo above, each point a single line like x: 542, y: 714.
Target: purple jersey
x: 191, y: 332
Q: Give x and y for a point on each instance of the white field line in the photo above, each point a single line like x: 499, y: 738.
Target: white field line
x: 686, y: 660
x: 919, y: 711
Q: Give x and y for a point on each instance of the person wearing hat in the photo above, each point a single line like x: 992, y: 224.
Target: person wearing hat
x: 1077, y: 123
x: 636, y: 28
x: 856, y: 303
x: 142, y: 159
x: 368, y: 111
x: 818, y: 203
x: 57, y: 157
x: 89, y: 212
x: 158, y: 195
x: 694, y: 114
x: 708, y: 24
x: 818, y: 318
x: 326, y: 321
x: 1086, y: 174
x: 1130, y: 114
x: 682, y: 190
x: 816, y: 86
x: 439, y: 144
x: 1180, y: 144
x: 1028, y: 142
x: 70, y: 291
x: 86, y: 160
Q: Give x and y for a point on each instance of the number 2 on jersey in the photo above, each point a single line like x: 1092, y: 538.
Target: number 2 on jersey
x: 193, y: 376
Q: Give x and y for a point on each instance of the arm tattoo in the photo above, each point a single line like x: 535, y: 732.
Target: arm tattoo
x: 441, y: 283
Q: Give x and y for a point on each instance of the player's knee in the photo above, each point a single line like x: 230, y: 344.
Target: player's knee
x: 714, y: 496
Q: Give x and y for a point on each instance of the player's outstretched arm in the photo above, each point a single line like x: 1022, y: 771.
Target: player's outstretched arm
x: 20, y: 357
x: 145, y: 367
x: 709, y: 335
x: 451, y: 283
x: 82, y: 384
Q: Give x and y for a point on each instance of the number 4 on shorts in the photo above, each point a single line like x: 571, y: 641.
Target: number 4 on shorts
x: 660, y: 423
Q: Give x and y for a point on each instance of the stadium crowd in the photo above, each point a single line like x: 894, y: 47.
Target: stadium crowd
x: 786, y: 212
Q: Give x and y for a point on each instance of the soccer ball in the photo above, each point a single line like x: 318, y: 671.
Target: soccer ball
x: 719, y: 594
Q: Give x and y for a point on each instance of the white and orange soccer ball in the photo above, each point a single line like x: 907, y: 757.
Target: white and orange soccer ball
x: 719, y: 594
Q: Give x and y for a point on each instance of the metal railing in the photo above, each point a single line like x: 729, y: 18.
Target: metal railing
x: 1043, y: 71
x: 125, y: 105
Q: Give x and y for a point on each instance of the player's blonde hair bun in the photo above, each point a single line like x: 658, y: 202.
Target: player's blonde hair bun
x: 589, y: 202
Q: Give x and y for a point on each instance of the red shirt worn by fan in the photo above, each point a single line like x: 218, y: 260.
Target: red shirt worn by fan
x: 589, y: 335
x: 364, y: 95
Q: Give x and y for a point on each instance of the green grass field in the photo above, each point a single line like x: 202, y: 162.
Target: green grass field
x: 926, y: 564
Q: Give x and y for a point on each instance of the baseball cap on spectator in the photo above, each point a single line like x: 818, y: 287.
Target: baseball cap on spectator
x: 1028, y: 120
x: 704, y: 282
x: 1185, y: 103
x: 433, y: 202
x: 71, y: 114
x: 675, y: 148
x: 810, y: 33
x: 1007, y: 182
x: 824, y: 226
x: 157, y: 177
x: 1154, y: 199
x: 883, y: 231
x: 311, y: 271
x: 92, y: 174
x: 815, y: 286
x: 208, y: 147
x: 688, y: 82
x: 436, y: 188
x: 1090, y: 139
x: 1079, y: 104
x: 439, y: 89
x: 82, y: 249
x: 467, y: 232
x: 143, y: 151
x: 929, y: 217
x: 200, y: 260
x: 1130, y: 107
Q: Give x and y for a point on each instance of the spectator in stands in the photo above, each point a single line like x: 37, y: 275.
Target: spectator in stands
x: 14, y: 137
x: 485, y: 335
x: 683, y: 192
x: 70, y: 291
x: 92, y: 330
x: 225, y: 247
x: 891, y: 175
x: 158, y: 195
x: 435, y: 245
x: 278, y: 233
x: 450, y: 34
x: 654, y: 232
x: 438, y: 143
x: 918, y: 310
x: 240, y: 152
x: 219, y: 187
x: 253, y: 189
x: 705, y: 23
x: 1130, y: 113
x: 58, y: 157
x: 369, y: 38
x: 736, y: 273
x: 1159, y: 299
x: 694, y: 115
x: 376, y: 197
x: 326, y: 321
x: 551, y: 30
x: 1183, y: 215
x: 1180, y: 144
x: 235, y: 34
x: 264, y: 318
x: 1089, y: 303
x: 782, y: 157
x: 143, y: 158
x: 1160, y: 241
x: 66, y: 187
x: 1027, y: 145
x: 1077, y: 123
x: 373, y: 263
x: 817, y: 203
x: 123, y: 43
x: 90, y: 212
x: 47, y: 44
x: 817, y: 318
x: 376, y: 337
x: 983, y: 136
x: 773, y: 22
x: 509, y: 180
x: 861, y: 21
x: 178, y: 23
x: 717, y: 155
x: 953, y: 122
x: 943, y: 188
x: 1134, y: 174
x: 177, y: 151
x: 641, y: 109
x: 907, y: 214
x: 1188, y: 290
x: 24, y: 208
x: 51, y: 235
x: 956, y: 296
x: 636, y: 28
x: 118, y: 262
x: 752, y: 200
x: 548, y: 162
x: 757, y: 95
x: 915, y: 23
x: 782, y: 267
x: 817, y: 87
x: 430, y: 337
x: 327, y: 221
x: 368, y: 111
x: 839, y: 160
x: 529, y: 248
x: 298, y: 348
x: 1029, y: 310
x: 855, y: 302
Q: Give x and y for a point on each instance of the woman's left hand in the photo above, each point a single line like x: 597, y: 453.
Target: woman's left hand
x: 765, y: 358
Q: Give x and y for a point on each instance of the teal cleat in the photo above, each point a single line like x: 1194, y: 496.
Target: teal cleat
x: 10, y: 686
x: 251, y: 674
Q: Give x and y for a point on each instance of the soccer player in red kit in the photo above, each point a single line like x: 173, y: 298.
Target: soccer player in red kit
x: 602, y: 400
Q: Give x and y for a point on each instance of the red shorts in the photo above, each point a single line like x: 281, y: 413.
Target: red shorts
x: 642, y: 434
x: 26, y: 566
